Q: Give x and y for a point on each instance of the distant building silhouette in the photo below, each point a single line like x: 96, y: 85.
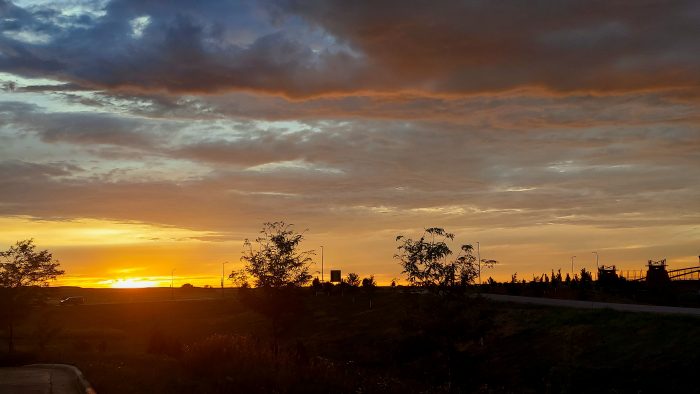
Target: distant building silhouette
x: 607, y: 274
x: 656, y: 273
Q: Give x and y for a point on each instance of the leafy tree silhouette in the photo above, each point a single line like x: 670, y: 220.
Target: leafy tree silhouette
x: 277, y: 262
x: 279, y: 268
x: 353, y: 280
x: 352, y: 283
x: 586, y: 277
x: 23, y: 271
x: 369, y: 286
x: 426, y: 261
x: 445, y: 318
x: 585, y: 283
x: 239, y: 278
x: 316, y: 285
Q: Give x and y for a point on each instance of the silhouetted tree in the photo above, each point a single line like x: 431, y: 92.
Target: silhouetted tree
x: 277, y: 262
x: 368, y: 286
x: 557, y: 278
x: 575, y: 280
x: 23, y: 270
x: 586, y: 277
x: 487, y: 263
x: 316, y: 285
x: 353, y: 280
x: 426, y: 261
x: 351, y: 284
x: 239, y: 278
x: 279, y: 268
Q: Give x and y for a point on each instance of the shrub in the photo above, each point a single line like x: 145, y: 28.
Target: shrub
x: 233, y: 363
x: 163, y: 344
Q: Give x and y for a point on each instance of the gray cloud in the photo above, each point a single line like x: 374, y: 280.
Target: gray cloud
x: 183, y: 48
x: 78, y: 128
x: 15, y: 172
x: 482, y: 46
x: 582, y: 176
x: 303, y: 49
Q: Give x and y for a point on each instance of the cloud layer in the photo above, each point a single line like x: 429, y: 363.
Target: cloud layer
x: 302, y: 49
x: 538, y: 128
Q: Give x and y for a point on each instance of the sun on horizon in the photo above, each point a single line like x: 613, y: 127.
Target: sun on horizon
x: 133, y: 283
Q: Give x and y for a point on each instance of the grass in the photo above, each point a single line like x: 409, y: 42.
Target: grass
x: 140, y: 341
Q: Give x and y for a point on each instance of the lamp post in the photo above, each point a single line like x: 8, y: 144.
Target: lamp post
x: 596, y: 259
x: 572, y: 264
x: 222, y: 278
x: 172, y: 289
x: 321, y: 263
x: 478, y: 257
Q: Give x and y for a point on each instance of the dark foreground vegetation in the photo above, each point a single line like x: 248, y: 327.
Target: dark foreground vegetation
x: 301, y: 340
x: 436, y: 336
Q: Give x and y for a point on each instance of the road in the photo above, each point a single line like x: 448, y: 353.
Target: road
x: 594, y: 305
x: 147, y: 301
x: 43, y: 379
x: 495, y: 297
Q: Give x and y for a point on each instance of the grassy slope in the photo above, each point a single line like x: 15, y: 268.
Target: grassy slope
x: 525, y: 348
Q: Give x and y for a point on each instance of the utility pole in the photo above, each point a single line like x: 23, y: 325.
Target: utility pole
x: 572, y: 265
x: 478, y: 257
x: 321, y: 263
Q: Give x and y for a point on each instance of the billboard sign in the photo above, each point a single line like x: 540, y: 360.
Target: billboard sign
x: 335, y: 276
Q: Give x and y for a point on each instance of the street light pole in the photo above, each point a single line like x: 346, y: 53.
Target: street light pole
x: 321, y: 263
x: 222, y: 278
x: 596, y: 259
x: 172, y: 289
x: 478, y: 257
x: 572, y: 264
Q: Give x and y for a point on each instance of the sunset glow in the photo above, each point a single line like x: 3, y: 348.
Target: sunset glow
x: 132, y: 283
x: 137, y: 138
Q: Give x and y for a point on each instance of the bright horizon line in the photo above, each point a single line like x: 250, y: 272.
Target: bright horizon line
x: 144, y: 282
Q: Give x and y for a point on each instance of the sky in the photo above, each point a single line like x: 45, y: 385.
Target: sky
x: 144, y: 140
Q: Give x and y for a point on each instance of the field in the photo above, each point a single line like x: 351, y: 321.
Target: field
x: 195, y: 340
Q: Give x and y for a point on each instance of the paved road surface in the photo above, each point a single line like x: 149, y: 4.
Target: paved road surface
x: 595, y: 305
x: 43, y: 379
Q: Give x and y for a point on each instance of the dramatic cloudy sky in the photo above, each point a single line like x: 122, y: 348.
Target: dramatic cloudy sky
x: 137, y: 137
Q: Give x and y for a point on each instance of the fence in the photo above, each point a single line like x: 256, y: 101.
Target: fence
x: 690, y: 273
